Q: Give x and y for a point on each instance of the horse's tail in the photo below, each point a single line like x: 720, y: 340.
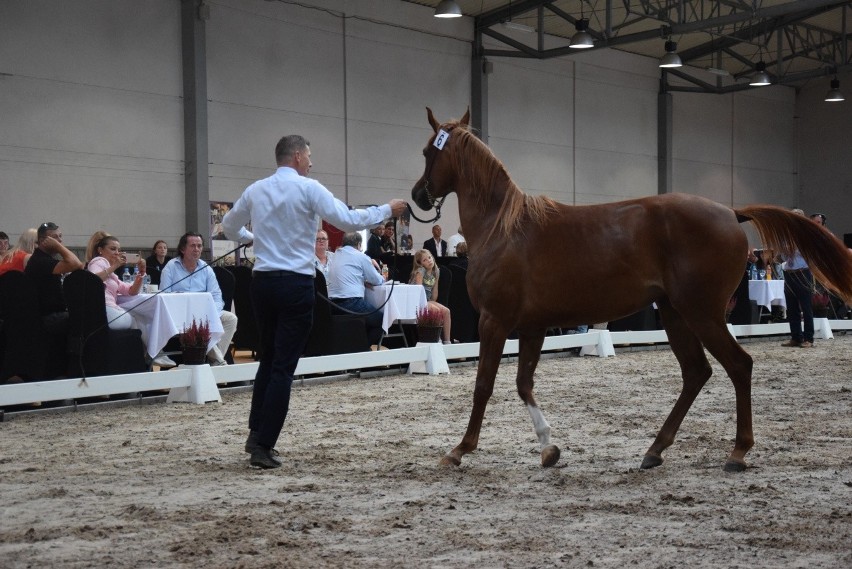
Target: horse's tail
x: 785, y: 231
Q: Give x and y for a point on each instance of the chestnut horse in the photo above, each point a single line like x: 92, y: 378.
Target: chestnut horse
x: 536, y: 263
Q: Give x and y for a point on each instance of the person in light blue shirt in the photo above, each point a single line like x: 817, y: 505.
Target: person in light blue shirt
x: 349, y: 272
x: 285, y: 210
x: 189, y: 273
x: 798, y: 293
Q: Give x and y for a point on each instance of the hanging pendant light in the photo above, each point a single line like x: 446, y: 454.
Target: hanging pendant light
x: 448, y: 9
x: 671, y: 58
x: 834, y: 95
x: 761, y: 77
x: 582, y: 39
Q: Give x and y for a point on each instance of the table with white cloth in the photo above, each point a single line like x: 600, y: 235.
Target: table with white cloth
x: 167, y: 314
x: 403, y: 300
x: 767, y: 293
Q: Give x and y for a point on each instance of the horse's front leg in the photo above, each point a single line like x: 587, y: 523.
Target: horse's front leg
x: 492, y: 339
x: 528, y: 356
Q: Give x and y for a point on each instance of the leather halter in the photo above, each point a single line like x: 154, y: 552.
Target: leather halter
x: 434, y: 202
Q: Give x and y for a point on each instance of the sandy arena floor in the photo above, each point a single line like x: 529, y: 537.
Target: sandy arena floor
x: 170, y: 486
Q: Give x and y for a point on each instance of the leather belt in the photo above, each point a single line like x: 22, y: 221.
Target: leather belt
x: 273, y: 274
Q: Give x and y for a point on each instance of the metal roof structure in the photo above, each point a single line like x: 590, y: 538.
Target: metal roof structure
x: 797, y: 40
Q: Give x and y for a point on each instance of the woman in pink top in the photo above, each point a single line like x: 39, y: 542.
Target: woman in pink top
x: 109, y: 258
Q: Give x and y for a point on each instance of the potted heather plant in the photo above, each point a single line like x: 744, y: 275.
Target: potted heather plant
x: 194, y: 341
x: 430, y: 322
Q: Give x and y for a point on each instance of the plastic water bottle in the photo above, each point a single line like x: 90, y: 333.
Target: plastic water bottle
x: 146, y: 283
x: 126, y: 276
x: 385, y: 272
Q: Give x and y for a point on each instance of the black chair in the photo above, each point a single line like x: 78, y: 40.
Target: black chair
x: 746, y: 311
x: 445, y: 282
x: 334, y: 333
x: 227, y: 284
x: 104, y: 351
x: 247, y: 336
x: 25, y: 353
x: 465, y: 318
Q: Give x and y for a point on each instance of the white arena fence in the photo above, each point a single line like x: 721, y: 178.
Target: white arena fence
x: 198, y: 384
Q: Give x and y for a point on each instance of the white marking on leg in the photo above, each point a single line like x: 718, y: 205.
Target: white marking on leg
x: 542, y: 428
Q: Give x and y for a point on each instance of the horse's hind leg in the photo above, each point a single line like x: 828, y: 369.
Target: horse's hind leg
x: 738, y: 364
x: 492, y: 338
x: 695, y: 370
x: 528, y: 356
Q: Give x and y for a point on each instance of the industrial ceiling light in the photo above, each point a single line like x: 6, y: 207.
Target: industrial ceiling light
x: 448, y: 9
x: 671, y: 58
x: 834, y: 95
x: 761, y: 77
x: 582, y: 39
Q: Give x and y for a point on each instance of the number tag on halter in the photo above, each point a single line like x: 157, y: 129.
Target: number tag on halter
x: 441, y: 139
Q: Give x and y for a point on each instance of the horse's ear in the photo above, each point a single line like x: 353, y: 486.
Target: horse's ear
x: 465, y: 120
x: 435, y: 124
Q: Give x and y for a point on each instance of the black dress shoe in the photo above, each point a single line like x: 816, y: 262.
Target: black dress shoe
x: 252, y: 444
x: 264, y: 458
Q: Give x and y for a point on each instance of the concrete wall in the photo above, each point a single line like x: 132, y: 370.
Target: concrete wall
x: 91, y: 105
x: 825, y: 147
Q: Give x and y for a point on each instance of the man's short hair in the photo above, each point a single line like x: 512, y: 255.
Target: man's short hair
x: 3, y: 235
x: 288, y: 146
x: 184, y: 239
x: 353, y: 239
x: 44, y: 228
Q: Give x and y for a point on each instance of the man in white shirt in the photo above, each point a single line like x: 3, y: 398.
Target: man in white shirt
x: 285, y: 210
x: 349, y: 272
x: 189, y: 273
x: 453, y: 242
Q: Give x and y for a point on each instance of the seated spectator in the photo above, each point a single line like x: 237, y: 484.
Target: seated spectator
x: 322, y: 256
x: 16, y: 258
x: 407, y: 244
x: 92, y: 245
x: 4, y: 243
x: 189, y: 273
x: 45, y: 271
x: 427, y: 273
x: 436, y: 245
x: 453, y: 242
x: 156, y: 262
x: 374, y: 242
x: 388, y: 239
x: 461, y: 254
x: 350, y: 271
x: 109, y: 258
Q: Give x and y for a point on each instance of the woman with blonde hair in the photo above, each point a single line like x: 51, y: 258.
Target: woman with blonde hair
x: 426, y: 272
x: 92, y: 245
x: 16, y: 258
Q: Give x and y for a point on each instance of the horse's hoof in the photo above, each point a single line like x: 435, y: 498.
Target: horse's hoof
x: 651, y: 461
x: 549, y: 455
x: 734, y: 466
x: 449, y: 460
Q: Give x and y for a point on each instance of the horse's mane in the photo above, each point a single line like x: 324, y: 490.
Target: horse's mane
x: 482, y: 171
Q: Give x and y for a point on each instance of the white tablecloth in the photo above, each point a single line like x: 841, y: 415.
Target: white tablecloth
x: 403, y: 303
x: 767, y: 293
x: 168, y: 314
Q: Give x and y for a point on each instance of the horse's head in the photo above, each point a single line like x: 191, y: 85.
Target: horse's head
x: 438, y: 177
